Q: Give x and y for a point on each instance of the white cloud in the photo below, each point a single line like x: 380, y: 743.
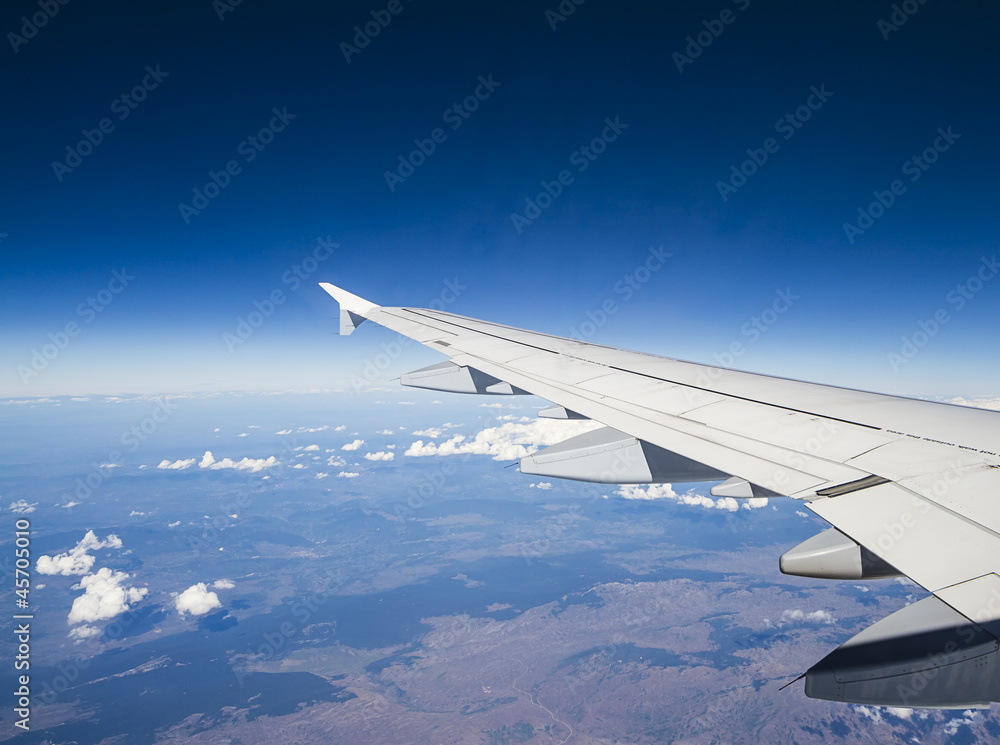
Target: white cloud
x: 979, y: 403
x: 243, y: 434
x: 385, y: 432
x: 197, y: 600
x: 666, y: 491
x: 545, y: 485
x: 78, y: 559
x: 223, y: 584
x: 70, y: 504
x: 334, y: 460
x: 21, y: 507
x: 353, y: 445
x: 174, y: 524
x: 136, y: 513
x: 817, y: 616
x: 299, y: 465
x: 968, y: 718
x: 83, y: 632
x: 509, y: 441
x: 177, y: 465
x: 348, y: 475
x: 105, y: 596
x: 432, y: 432
x: 254, y: 465
x: 307, y: 448
x: 322, y: 475
x: 380, y: 455
x: 283, y: 432
x: 341, y: 428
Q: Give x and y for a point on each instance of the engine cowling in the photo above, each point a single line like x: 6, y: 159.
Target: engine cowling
x: 832, y: 555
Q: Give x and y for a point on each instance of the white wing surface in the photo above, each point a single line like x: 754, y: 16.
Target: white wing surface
x: 910, y: 487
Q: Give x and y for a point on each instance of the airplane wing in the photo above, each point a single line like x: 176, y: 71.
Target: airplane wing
x: 910, y: 487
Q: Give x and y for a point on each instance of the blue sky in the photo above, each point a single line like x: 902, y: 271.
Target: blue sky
x: 635, y: 115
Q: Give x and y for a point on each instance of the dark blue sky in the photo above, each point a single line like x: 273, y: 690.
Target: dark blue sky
x: 319, y: 171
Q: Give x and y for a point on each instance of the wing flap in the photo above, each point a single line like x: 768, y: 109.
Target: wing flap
x: 909, y: 531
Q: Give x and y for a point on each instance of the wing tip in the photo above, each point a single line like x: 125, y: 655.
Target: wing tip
x: 348, y: 300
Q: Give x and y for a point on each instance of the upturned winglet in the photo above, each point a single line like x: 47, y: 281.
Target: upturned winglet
x: 353, y: 309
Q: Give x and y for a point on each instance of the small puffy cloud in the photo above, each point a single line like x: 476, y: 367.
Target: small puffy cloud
x: 78, y: 559
x: 380, y: 455
x: 353, y: 445
x: 666, y: 491
x: 968, y: 718
x: 348, y: 475
x: 243, y: 434
x: 341, y: 428
x: 197, y: 600
x: 84, y: 632
x: 283, y: 432
x: 254, y: 465
x: 334, y: 460
x: 298, y: 465
x: 322, y: 475
x: 544, y: 485
x: 105, y: 596
x: 817, y: 616
x: 509, y: 441
x: 307, y: 448
x: 431, y: 432
x: 385, y: 432
x: 173, y: 524
x: 223, y: 584
x: 177, y: 465
x: 136, y: 513
x: 21, y: 507
x: 70, y: 504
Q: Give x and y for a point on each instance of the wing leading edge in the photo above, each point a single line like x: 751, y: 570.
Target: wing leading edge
x: 910, y: 486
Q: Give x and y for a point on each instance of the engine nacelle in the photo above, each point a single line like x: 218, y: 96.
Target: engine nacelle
x: 832, y: 555
x: 447, y: 376
x: 607, y: 456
